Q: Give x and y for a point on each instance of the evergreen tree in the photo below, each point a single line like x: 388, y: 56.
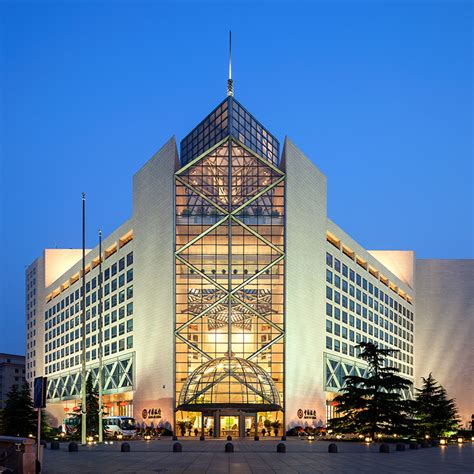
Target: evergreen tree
x: 19, y: 417
x: 372, y: 405
x: 435, y: 414
x: 92, y: 409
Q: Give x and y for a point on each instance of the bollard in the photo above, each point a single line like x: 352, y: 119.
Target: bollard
x: 229, y: 448
x: 72, y: 447
x: 400, y: 447
x: 125, y: 448
x: 384, y: 448
x: 434, y: 443
x: 425, y: 444
x: 175, y: 438
x: 202, y: 438
x: 332, y: 448
x: 256, y: 438
x: 281, y: 448
x: 229, y: 438
x: 177, y: 448
x: 54, y: 445
x: 283, y: 438
x: 413, y: 446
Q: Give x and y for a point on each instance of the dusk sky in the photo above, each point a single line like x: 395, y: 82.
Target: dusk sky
x: 379, y: 96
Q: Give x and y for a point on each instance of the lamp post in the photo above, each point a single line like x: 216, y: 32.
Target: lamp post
x: 99, y: 373
x: 83, y: 317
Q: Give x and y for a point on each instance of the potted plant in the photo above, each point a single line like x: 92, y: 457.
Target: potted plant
x: 185, y: 212
x: 268, y: 424
x: 196, y: 431
x: 276, y: 427
x: 263, y: 432
x: 182, y: 427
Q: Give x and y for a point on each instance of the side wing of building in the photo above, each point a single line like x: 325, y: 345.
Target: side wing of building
x: 445, y: 328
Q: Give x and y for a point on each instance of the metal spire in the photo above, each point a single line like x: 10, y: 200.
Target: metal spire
x: 230, y: 82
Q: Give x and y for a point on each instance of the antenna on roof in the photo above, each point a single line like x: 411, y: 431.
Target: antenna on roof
x: 230, y: 82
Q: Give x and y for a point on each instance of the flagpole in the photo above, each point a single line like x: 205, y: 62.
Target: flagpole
x: 99, y: 374
x: 83, y: 355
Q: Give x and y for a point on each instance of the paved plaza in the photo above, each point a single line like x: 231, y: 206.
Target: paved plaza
x: 257, y: 457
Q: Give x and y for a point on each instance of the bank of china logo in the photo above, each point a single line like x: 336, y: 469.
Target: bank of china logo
x: 300, y: 413
x: 144, y: 413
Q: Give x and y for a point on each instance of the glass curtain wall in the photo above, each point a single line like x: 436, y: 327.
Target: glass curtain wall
x: 229, y: 281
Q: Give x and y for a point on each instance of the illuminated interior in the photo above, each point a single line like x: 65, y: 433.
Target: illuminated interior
x: 229, y: 282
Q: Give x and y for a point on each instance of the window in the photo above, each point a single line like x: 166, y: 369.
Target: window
x: 329, y: 276
x: 129, y: 342
x: 129, y: 259
x: 129, y: 309
x: 121, y: 264
x: 130, y: 292
x: 328, y: 342
x: 130, y: 275
x: 329, y: 292
x: 328, y: 325
x: 328, y: 309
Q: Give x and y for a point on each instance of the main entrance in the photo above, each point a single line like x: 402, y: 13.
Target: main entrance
x: 229, y: 425
x: 235, y: 424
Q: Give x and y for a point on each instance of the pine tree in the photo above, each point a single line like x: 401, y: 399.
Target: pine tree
x: 435, y: 415
x: 19, y: 417
x: 92, y: 409
x: 373, y: 404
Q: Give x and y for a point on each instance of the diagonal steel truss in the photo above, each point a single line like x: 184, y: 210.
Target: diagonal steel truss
x: 228, y: 217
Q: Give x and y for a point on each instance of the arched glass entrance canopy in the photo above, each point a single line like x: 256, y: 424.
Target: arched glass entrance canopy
x: 229, y: 382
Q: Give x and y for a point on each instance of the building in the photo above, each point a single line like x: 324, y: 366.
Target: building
x: 445, y: 328
x: 229, y: 296
x: 12, y: 372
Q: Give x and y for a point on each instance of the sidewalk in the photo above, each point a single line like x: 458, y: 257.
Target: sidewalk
x: 256, y: 457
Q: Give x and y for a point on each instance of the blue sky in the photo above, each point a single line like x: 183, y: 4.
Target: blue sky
x: 378, y: 95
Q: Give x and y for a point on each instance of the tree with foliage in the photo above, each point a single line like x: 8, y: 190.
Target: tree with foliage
x: 434, y: 414
x: 92, y: 409
x: 373, y: 404
x: 19, y: 417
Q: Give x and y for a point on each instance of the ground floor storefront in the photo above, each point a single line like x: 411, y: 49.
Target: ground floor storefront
x: 225, y: 422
